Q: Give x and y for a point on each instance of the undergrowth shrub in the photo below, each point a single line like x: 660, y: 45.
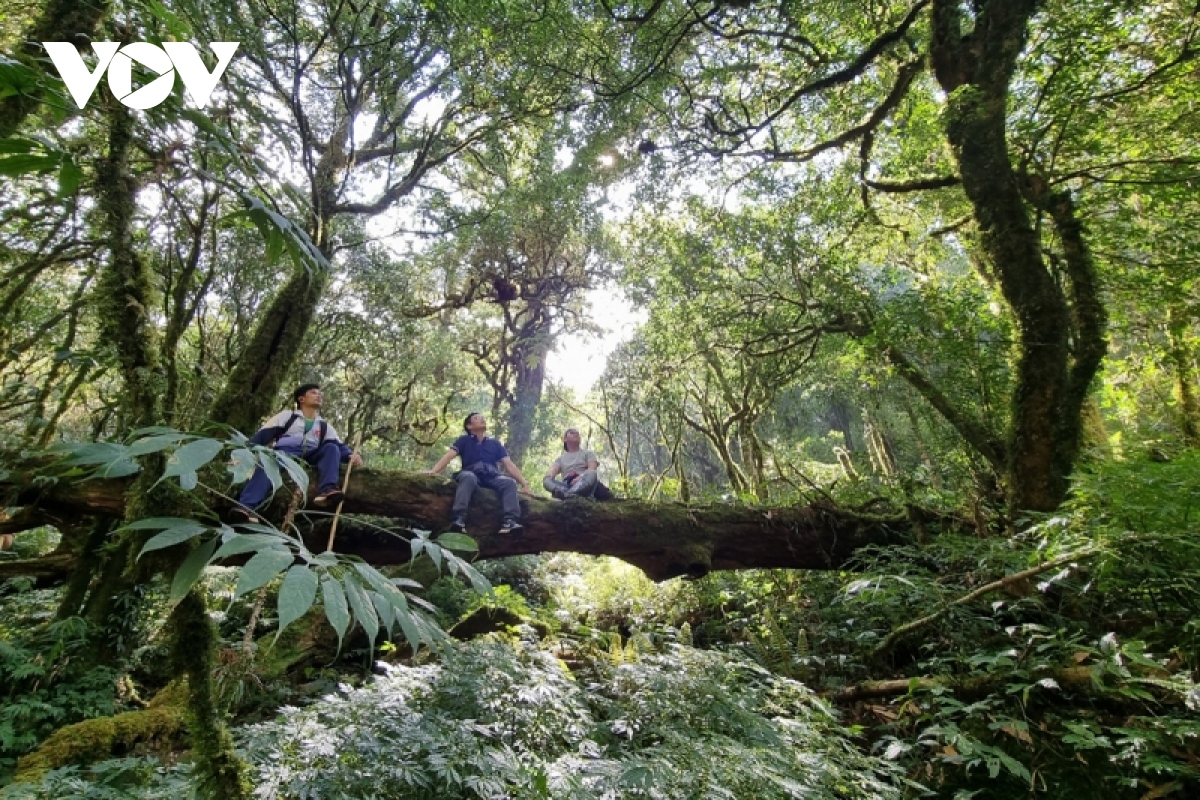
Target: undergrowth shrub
x: 501, y: 720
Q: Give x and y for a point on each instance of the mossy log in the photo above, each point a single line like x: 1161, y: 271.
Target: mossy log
x: 160, y: 722
x: 664, y: 540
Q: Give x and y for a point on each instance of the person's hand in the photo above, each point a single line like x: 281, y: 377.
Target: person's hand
x: 356, y: 460
x: 428, y: 472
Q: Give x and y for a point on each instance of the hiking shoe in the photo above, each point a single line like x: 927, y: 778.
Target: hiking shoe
x: 243, y: 515
x: 511, y: 526
x: 458, y: 526
x: 329, y: 498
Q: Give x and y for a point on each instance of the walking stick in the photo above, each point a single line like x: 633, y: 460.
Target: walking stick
x: 345, y: 484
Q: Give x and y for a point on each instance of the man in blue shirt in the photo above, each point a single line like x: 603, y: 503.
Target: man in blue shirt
x: 300, y: 432
x: 481, y: 456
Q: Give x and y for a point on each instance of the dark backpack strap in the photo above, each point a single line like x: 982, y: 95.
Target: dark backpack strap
x: 324, y: 429
x: 286, y: 427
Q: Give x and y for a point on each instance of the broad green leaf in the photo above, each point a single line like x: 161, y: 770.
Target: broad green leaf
x: 384, y: 609
x: 242, y: 464
x: 153, y: 444
x: 408, y: 625
x: 151, y: 430
x: 26, y: 163
x: 364, y: 612
x: 479, y: 583
x: 186, y: 529
x: 184, y: 462
x: 120, y: 468
x: 189, y: 571
x: 296, y: 595
x: 326, y: 559
x: 335, y: 606
x: 266, y: 458
x: 295, y: 470
x: 96, y: 453
x: 262, y: 568
x: 248, y: 543
x: 458, y: 541
x: 69, y: 176
x: 381, y: 584
x: 156, y: 523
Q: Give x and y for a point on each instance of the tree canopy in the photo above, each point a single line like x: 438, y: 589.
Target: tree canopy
x: 890, y: 308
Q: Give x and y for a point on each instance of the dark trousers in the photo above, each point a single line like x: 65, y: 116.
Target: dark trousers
x: 327, y: 459
x: 502, y: 485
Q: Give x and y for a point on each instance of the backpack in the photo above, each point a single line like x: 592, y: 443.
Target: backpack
x: 322, y: 429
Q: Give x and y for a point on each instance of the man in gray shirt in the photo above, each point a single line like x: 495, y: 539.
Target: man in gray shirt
x: 577, y: 466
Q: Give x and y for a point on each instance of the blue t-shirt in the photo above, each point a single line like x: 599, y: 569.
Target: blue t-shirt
x: 471, y: 450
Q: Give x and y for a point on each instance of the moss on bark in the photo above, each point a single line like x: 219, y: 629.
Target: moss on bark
x: 95, y: 739
x: 220, y: 774
x: 253, y: 388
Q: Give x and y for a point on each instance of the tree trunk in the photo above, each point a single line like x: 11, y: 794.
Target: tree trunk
x: 529, y: 366
x: 123, y: 301
x: 60, y: 21
x: 1184, y: 362
x: 252, y: 390
x: 975, y: 71
x: 665, y: 540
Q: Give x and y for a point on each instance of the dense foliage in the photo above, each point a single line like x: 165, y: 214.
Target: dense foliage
x: 923, y: 264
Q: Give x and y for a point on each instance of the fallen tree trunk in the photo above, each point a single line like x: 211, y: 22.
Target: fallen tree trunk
x: 664, y: 540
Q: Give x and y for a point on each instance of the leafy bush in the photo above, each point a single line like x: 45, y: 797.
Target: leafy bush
x: 500, y: 720
x: 39, y: 685
x: 116, y: 779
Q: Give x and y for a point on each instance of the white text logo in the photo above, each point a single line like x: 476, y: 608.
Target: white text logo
x: 172, y: 57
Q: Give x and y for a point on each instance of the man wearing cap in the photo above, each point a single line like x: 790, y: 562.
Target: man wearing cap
x: 300, y: 432
x: 578, y: 469
x: 481, y: 457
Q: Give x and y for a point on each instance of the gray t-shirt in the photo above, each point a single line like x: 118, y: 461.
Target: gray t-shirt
x: 576, y: 462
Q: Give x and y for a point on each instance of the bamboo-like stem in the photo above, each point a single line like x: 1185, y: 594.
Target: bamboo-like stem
x: 345, y: 484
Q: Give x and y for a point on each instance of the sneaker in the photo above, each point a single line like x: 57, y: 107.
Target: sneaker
x: 328, y: 498
x: 511, y: 526
x: 243, y: 515
x: 559, y: 494
x: 458, y: 526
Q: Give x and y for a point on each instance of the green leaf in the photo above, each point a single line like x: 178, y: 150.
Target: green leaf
x: 479, y: 583
x: 154, y: 444
x: 381, y: 584
x: 97, y: 453
x: 187, y: 529
x: 364, y: 612
x: 69, y: 177
x: 189, y: 571
x: 383, y: 608
x: 411, y: 633
x: 248, y: 543
x: 335, y: 606
x: 435, y: 554
x: 242, y: 464
x: 120, y: 468
x: 262, y: 568
x: 271, y: 468
x: 458, y: 541
x: 156, y: 524
x: 295, y: 470
x: 296, y: 595
x: 184, y: 462
x: 23, y: 164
